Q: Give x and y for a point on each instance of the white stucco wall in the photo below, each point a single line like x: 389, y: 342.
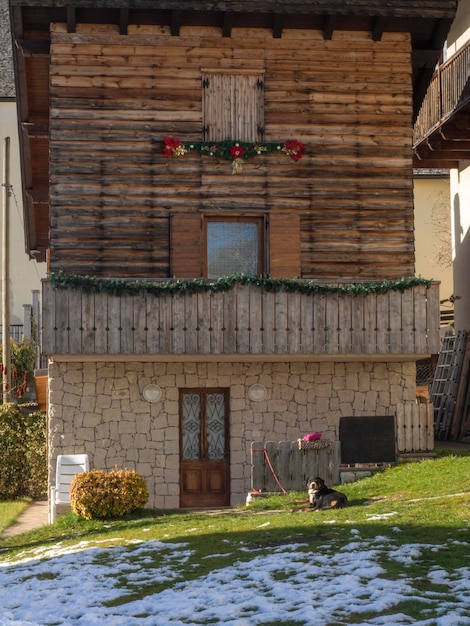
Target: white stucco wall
x: 459, y: 33
x: 460, y: 204
x: 433, y: 231
x: 25, y: 274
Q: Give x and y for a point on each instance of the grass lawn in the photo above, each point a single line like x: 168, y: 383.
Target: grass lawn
x: 411, y: 521
x: 10, y: 510
x: 430, y: 498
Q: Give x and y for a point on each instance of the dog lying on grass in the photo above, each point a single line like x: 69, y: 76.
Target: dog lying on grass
x: 321, y: 497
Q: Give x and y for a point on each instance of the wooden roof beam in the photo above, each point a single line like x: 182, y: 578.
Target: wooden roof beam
x: 442, y: 145
x: 35, y: 129
x: 378, y: 28
x: 462, y: 121
x: 34, y: 47
x: 278, y: 25
x: 39, y: 195
x: 175, y: 26
x: 30, y: 223
x: 434, y: 164
x: 426, y: 59
x: 123, y: 21
x: 227, y: 24
x: 71, y: 20
x: 16, y: 18
x: 328, y: 26
x: 424, y: 153
x: 450, y: 132
x: 440, y: 33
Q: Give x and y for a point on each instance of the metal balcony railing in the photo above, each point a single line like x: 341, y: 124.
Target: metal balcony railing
x: 16, y: 332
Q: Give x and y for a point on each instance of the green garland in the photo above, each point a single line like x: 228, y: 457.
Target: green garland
x: 235, y: 151
x: 120, y: 287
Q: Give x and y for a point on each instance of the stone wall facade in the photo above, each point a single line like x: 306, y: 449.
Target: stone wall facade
x: 98, y: 408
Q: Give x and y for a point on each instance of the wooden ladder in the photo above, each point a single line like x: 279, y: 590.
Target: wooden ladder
x: 462, y: 430
x: 446, y: 381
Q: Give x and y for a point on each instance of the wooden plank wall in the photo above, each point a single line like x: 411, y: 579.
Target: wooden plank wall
x: 114, y: 98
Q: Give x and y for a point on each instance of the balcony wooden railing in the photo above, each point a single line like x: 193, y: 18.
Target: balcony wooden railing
x: 448, y: 92
x: 245, y: 320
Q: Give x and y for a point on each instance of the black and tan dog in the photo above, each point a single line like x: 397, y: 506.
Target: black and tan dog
x: 321, y: 497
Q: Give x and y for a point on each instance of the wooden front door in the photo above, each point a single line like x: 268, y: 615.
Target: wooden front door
x: 204, y: 448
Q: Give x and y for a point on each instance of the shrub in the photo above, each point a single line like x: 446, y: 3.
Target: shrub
x: 23, y: 356
x: 99, y: 494
x: 23, y: 464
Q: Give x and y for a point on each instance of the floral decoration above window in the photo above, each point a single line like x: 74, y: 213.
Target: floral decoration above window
x: 235, y: 151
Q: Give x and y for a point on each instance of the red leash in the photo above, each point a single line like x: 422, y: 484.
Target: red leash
x: 270, y: 467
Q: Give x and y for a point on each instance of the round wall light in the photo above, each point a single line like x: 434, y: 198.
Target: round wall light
x: 257, y: 392
x: 152, y: 393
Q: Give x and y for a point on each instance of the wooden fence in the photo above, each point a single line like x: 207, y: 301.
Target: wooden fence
x: 282, y: 465
x: 415, y: 427
x: 278, y: 466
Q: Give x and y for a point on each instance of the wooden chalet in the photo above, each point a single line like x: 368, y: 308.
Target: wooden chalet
x: 168, y: 147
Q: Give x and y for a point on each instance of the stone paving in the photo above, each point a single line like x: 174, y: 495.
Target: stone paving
x: 33, y: 517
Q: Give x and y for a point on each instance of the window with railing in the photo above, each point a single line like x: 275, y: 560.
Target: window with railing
x: 16, y: 332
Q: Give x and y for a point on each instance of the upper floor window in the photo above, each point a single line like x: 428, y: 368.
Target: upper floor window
x: 233, y: 245
x: 233, y: 105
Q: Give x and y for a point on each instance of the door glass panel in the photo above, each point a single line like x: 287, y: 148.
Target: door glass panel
x: 215, y: 426
x: 191, y: 426
x: 232, y: 247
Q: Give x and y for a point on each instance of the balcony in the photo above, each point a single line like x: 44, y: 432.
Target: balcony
x: 16, y: 332
x: 245, y: 322
x: 442, y: 128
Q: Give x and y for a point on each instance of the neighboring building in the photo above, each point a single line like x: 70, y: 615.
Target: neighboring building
x: 442, y: 140
x: 25, y: 273
x: 136, y: 123
x: 433, y: 237
x: 459, y: 50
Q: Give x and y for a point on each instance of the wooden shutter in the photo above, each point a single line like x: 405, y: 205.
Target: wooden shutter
x: 284, y: 245
x: 233, y: 106
x: 185, y: 233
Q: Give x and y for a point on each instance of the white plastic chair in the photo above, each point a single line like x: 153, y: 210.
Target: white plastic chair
x: 67, y: 466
